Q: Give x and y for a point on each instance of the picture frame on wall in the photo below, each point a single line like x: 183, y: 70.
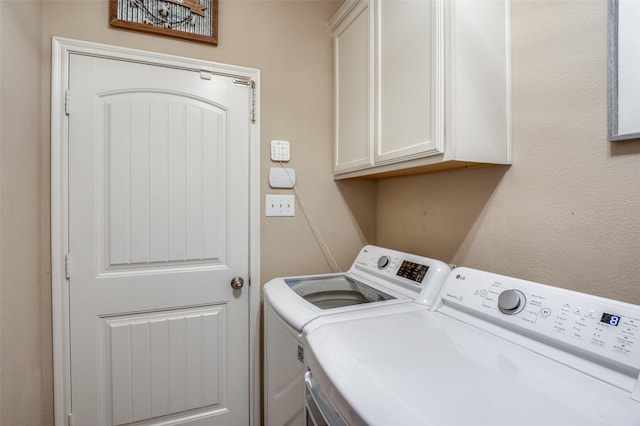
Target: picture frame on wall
x: 624, y: 70
x: 193, y: 20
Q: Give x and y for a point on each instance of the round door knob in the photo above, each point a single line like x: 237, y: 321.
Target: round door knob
x: 237, y: 283
x: 511, y: 301
x: 383, y: 262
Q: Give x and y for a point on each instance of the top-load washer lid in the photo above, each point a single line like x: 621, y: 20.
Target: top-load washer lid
x: 541, y: 356
x: 424, y: 368
x: 334, y: 291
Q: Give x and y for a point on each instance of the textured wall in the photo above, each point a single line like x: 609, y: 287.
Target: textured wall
x: 566, y: 211
x: 291, y: 45
x: 23, y: 315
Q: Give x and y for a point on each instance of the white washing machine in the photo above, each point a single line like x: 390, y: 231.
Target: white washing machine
x: 379, y: 281
x: 496, y: 351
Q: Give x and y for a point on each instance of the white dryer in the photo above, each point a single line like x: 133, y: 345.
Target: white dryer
x: 496, y: 351
x: 379, y: 281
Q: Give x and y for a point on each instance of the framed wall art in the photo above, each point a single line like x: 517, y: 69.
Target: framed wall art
x: 194, y: 20
x: 624, y: 70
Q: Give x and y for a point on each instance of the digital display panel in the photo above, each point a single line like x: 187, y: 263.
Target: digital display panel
x: 610, y: 319
x: 412, y: 271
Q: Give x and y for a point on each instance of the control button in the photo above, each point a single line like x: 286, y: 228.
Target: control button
x: 483, y: 293
x: 545, y: 312
x: 383, y: 262
x: 511, y: 301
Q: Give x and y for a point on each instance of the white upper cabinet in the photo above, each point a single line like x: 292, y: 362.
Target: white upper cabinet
x: 421, y: 86
x: 354, y: 87
x: 409, y: 86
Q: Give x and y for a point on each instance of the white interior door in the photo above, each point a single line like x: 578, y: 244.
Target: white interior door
x: 158, y: 227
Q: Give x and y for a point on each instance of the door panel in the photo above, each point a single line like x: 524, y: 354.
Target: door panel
x: 165, y: 363
x: 163, y: 198
x: 158, y: 227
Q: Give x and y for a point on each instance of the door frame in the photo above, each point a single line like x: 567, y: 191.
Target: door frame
x: 61, y: 50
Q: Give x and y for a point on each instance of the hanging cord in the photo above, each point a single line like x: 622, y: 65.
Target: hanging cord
x: 316, y: 233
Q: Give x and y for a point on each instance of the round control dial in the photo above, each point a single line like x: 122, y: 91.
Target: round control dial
x: 511, y: 301
x: 383, y: 262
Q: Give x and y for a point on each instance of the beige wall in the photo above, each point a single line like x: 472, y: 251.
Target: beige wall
x: 25, y: 373
x: 287, y: 40
x: 566, y: 211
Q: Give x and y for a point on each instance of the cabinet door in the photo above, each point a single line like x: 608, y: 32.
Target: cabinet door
x: 354, y: 90
x: 409, y: 68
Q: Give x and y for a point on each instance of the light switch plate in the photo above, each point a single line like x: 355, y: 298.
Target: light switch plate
x: 280, y: 205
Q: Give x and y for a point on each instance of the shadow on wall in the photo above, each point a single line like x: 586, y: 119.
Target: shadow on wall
x: 624, y: 148
x: 360, y: 196
x: 433, y: 214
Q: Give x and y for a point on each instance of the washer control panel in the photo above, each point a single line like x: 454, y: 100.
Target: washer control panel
x: 422, y: 276
x: 602, y: 327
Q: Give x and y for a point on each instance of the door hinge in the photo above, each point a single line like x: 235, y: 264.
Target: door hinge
x: 66, y: 101
x: 70, y: 420
x: 67, y: 266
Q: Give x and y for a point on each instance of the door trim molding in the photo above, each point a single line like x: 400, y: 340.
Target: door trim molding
x: 62, y: 48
